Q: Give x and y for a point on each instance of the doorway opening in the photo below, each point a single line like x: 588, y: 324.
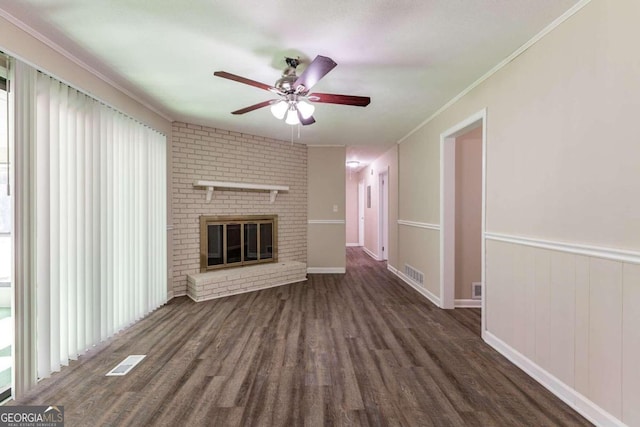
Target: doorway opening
x: 462, y: 212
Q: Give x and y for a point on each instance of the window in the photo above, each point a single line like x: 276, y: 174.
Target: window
x: 101, y: 209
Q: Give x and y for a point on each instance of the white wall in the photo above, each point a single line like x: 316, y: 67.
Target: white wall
x: 326, y: 245
x: 351, y: 208
x: 563, y: 241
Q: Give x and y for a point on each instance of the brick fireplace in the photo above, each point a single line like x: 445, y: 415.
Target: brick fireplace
x: 203, y: 153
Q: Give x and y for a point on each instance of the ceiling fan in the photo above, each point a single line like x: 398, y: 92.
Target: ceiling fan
x: 293, y: 91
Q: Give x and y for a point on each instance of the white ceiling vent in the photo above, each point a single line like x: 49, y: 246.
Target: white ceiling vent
x: 126, y: 365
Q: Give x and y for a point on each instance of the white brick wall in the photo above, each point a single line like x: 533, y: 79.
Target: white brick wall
x: 232, y: 281
x: 205, y: 153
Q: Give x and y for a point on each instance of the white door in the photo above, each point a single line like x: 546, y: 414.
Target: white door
x: 361, y: 213
x: 384, y: 217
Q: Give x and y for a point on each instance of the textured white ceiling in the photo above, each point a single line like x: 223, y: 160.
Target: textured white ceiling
x: 409, y: 56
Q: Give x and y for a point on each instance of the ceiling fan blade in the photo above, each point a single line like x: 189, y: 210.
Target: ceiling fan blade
x: 332, y: 98
x: 246, y: 81
x: 307, y: 121
x: 254, y: 107
x: 318, y: 68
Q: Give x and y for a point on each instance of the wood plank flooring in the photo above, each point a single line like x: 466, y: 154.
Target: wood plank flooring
x: 355, y: 349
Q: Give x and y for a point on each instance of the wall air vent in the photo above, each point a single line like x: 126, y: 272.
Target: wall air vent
x: 415, y: 275
x: 476, y: 290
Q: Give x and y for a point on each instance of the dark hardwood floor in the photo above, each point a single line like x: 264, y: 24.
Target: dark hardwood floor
x: 355, y: 349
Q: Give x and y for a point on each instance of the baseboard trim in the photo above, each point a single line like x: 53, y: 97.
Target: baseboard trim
x: 422, y: 291
x: 568, y: 395
x: 353, y: 245
x: 468, y: 303
x: 326, y: 270
x: 371, y: 254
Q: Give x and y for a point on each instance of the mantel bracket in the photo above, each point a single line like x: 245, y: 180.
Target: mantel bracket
x: 210, y: 186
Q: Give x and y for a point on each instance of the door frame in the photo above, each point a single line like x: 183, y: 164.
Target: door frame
x: 447, y: 207
x: 361, y: 213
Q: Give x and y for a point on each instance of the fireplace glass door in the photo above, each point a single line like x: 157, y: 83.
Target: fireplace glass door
x: 215, y: 233
x: 234, y: 241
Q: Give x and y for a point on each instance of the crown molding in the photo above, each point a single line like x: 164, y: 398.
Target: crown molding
x: 546, y: 30
x: 68, y: 55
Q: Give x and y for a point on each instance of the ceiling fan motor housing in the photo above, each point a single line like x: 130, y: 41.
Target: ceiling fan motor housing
x: 285, y: 83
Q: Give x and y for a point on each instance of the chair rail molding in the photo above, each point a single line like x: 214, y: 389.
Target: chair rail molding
x: 417, y: 224
x: 613, y: 254
x: 326, y: 221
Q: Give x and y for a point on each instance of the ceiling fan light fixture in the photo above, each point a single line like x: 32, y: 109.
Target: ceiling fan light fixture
x: 279, y: 109
x: 292, y: 116
x: 353, y: 164
x: 306, y: 109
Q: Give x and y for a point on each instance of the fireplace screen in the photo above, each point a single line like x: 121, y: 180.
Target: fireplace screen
x: 231, y: 241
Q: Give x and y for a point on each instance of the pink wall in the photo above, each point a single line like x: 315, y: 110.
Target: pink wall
x: 351, y: 208
x: 468, y: 212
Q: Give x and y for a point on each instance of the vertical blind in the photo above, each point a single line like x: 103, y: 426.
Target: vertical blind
x: 22, y: 130
x: 100, y: 222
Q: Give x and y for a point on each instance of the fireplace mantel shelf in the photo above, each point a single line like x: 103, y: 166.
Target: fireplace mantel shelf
x: 211, y: 185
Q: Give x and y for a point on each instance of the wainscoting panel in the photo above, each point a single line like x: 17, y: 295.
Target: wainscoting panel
x: 605, y: 334
x: 631, y: 345
x: 524, y: 335
x: 562, y: 292
x: 421, y: 250
x: 581, y: 367
x: 542, y: 299
x: 573, y: 316
x: 499, y: 274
